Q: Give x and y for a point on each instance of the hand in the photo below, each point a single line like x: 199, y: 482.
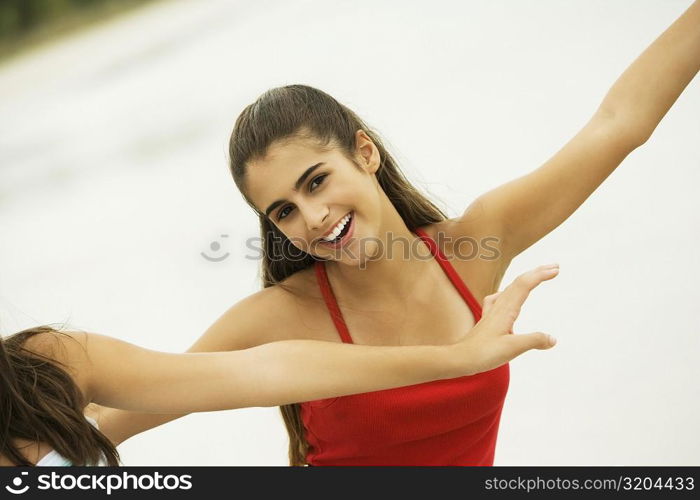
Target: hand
x: 491, y: 343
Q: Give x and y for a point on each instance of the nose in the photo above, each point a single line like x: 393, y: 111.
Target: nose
x: 315, y: 215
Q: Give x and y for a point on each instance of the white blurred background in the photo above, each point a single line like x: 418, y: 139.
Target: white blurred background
x: 113, y: 180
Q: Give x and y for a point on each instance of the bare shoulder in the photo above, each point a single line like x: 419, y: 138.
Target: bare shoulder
x: 67, y: 349
x: 60, y: 346
x: 473, y: 248
x: 279, y: 312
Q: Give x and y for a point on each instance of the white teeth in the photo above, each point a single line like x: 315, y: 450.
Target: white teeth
x: 336, y: 231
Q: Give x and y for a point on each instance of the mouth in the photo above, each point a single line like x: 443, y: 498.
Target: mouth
x: 344, y: 235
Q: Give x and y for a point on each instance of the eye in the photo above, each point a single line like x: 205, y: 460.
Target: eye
x: 281, y: 214
x: 318, y: 180
x: 321, y: 177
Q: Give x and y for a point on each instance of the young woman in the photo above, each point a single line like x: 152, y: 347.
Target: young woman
x: 48, y: 377
x: 312, y: 171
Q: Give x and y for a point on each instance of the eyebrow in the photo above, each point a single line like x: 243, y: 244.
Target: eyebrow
x: 297, y: 185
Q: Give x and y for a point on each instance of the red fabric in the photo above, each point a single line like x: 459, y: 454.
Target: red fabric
x: 446, y: 422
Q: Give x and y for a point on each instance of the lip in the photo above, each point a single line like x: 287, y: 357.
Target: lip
x: 333, y: 226
x: 345, y: 238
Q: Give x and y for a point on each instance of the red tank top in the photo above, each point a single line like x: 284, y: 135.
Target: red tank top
x: 445, y: 422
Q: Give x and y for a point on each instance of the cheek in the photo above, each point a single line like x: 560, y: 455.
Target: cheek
x: 367, y: 197
x: 356, y: 192
x: 295, y: 232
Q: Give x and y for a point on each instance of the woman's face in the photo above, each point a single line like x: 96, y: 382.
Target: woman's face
x: 329, y: 187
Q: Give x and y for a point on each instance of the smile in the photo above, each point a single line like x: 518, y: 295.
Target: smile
x: 341, y: 233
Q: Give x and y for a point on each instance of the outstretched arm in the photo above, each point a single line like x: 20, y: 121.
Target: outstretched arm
x: 118, y: 374
x: 126, y: 376
x: 526, y: 209
x: 645, y: 92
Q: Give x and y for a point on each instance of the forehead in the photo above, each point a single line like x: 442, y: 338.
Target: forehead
x: 273, y: 176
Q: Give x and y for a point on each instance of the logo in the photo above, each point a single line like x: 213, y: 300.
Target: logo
x: 215, y: 246
x: 17, y: 482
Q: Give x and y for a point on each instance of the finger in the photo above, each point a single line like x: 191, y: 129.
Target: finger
x: 506, y: 309
x: 521, y: 343
x: 489, y: 300
x: 514, y: 295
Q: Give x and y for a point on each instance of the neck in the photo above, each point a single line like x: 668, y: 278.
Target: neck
x: 405, y: 260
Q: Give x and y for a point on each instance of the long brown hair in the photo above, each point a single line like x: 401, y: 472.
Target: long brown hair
x: 302, y: 112
x: 40, y: 402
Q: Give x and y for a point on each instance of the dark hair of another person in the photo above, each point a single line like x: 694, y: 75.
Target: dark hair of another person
x: 40, y: 402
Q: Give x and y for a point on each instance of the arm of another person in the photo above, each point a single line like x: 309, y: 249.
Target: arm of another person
x: 241, y: 326
x: 118, y: 374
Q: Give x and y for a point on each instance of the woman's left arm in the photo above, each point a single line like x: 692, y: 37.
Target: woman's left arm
x: 526, y: 209
x: 645, y: 92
